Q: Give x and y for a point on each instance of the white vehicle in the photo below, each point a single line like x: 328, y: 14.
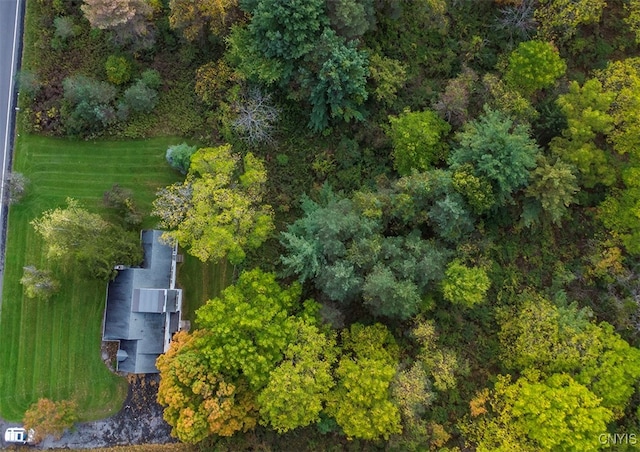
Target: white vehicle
x: 18, y: 435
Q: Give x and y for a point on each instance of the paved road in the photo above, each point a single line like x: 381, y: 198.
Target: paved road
x: 10, y: 38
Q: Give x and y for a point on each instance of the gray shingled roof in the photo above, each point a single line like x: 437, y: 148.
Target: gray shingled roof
x: 143, y: 307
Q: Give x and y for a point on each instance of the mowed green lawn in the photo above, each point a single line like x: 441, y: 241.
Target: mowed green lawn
x: 201, y: 282
x: 52, y: 349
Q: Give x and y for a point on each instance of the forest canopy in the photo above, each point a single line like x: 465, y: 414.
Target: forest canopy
x: 431, y: 208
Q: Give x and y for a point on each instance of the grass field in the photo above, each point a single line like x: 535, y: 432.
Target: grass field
x: 201, y: 282
x: 52, y: 349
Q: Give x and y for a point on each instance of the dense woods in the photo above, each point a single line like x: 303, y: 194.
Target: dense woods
x: 433, y: 208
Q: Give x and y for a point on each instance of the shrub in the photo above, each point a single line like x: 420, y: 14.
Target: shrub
x: 87, y: 119
x: 28, y: 83
x: 151, y: 78
x: 16, y: 186
x: 64, y: 28
x: 121, y: 200
x: 118, y: 69
x: 140, y: 98
x: 179, y: 156
x: 80, y: 88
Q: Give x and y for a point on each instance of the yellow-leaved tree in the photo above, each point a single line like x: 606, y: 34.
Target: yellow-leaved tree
x: 217, y: 211
x: 195, y: 19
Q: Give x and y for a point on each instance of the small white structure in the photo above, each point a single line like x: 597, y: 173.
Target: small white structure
x: 18, y: 435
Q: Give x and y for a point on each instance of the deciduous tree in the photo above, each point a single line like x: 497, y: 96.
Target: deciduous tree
x: 80, y: 88
x: 151, y: 78
x: 122, y: 201
x: 129, y: 19
x: 361, y: 402
x: 179, y: 156
x: 16, y: 185
x: 465, y: 285
x: 91, y: 105
x: 442, y: 364
x: 47, y: 417
x: 552, y: 188
x: 195, y: 19
x: 621, y: 79
x: 28, y: 83
x: 632, y: 8
x: 547, y: 339
x: 213, y: 82
x: 118, y: 69
x: 248, y: 344
x: 476, y: 190
x: 250, y: 326
x: 300, y: 385
x: 74, y: 234
x: 517, y: 18
x: 65, y: 28
x: 534, y: 65
x: 249, y: 60
x: 388, y: 77
x: 106, y: 14
x: 198, y: 401
x: 620, y: 212
x: 217, y: 211
x: 412, y: 391
x: 453, y: 102
x: 255, y: 117
x: 37, y: 283
x: 140, y: 98
x: 559, y: 19
x: 588, y: 120
x: 418, y: 140
x: 508, y: 100
x: 556, y: 413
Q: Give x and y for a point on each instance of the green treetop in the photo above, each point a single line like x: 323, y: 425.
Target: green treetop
x: 499, y: 151
x: 361, y: 402
x: 418, y: 140
x: 534, y: 65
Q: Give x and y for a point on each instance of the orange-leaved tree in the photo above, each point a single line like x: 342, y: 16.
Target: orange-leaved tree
x: 47, y: 417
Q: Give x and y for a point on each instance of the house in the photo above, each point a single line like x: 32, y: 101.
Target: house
x: 143, y: 307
